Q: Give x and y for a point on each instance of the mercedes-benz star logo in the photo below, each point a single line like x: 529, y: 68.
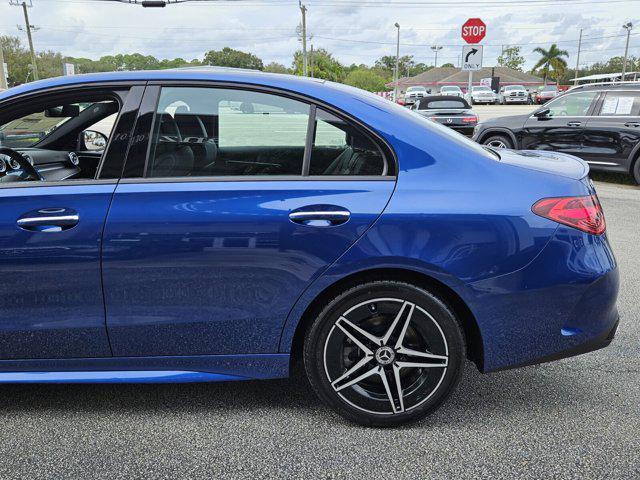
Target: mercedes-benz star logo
x: 385, y: 355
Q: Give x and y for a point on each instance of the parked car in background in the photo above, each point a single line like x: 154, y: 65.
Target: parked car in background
x: 513, y: 94
x: 451, y: 90
x: 545, y: 93
x: 483, y: 94
x: 414, y: 93
x: 598, y: 123
x: 322, y: 223
x: 450, y: 111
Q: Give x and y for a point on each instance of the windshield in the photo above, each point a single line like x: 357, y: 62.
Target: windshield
x: 30, y: 129
x: 416, y: 89
x: 548, y: 89
x: 481, y: 89
x: 514, y: 87
x: 450, y: 89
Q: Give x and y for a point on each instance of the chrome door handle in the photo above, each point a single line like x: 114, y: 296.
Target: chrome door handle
x: 574, y: 124
x: 49, y: 220
x: 320, y: 216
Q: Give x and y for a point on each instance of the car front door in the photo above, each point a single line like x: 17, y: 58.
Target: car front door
x: 243, y: 199
x: 614, y: 131
x: 560, y: 124
x: 50, y: 239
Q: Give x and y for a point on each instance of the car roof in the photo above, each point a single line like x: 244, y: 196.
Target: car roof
x: 293, y: 83
x: 607, y: 86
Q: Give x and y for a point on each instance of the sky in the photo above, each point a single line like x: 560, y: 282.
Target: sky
x: 355, y: 31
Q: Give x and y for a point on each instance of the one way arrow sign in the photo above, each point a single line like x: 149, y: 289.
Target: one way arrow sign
x: 472, y: 57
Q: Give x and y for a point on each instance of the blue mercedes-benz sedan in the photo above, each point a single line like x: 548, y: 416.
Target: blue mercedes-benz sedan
x: 214, y: 225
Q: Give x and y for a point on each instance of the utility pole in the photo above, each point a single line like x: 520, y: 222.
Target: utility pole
x: 397, y: 69
x: 311, y: 62
x: 28, y: 27
x: 3, y: 73
x: 575, y: 78
x: 305, y: 65
x: 435, y: 48
x: 628, y: 26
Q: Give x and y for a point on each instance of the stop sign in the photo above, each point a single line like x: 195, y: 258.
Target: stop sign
x: 473, y: 30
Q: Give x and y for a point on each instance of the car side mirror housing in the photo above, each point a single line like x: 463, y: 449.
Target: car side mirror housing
x: 544, y: 113
x: 92, y: 140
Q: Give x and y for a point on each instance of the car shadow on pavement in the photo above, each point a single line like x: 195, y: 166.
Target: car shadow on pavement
x: 512, y: 391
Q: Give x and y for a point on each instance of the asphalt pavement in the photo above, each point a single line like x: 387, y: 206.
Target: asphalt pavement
x: 574, y: 419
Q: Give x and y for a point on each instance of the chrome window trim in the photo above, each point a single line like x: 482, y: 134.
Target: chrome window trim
x: 261, y: 179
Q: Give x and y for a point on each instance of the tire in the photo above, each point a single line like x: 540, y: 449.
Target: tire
x: 498, y: 141
x: 353, y: 362
x: 635, y: 171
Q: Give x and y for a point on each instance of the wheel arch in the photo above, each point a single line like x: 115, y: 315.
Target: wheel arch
x: 499, y: 131
x: 475, y: 351
x: 634, y: 157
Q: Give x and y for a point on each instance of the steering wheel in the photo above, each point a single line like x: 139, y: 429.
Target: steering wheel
x: 29, y: 171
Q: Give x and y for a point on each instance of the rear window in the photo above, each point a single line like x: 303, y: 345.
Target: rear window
x: 442, y: 104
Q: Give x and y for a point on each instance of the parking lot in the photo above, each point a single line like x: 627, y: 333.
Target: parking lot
x: 577, y: 418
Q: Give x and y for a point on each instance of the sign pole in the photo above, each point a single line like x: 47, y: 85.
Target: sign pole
x: 3, y: 73
x: 470, y: 84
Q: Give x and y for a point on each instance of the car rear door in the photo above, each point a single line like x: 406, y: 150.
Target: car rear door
x: 613, y: 131
x: 50, y: 239
x: 562, y: 128
x: 206, y: 251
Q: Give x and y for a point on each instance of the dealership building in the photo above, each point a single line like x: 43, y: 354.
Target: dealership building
x: 437, y: 77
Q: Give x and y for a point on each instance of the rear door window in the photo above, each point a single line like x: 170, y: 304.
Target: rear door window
x: 620, y: 104
x: 340, y: 148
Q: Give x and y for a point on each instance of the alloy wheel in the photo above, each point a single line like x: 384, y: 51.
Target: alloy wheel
x: 385, y: 356
x: 496, y: 144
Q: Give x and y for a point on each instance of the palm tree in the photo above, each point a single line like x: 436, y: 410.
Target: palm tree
x: 551, y: 59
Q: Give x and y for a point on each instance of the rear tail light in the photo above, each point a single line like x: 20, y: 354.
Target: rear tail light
x: 469, y: 119
x: 584, y: 213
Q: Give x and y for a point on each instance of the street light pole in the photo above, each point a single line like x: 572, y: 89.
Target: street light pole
x: 575, y: 78
x: 397, y: 69
x: 435, y: 48
x: 28, y: 28
x: 628, y: 26
x: 305, y: 67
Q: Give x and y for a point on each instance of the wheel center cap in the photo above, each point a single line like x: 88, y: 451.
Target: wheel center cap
x: 385, y: 355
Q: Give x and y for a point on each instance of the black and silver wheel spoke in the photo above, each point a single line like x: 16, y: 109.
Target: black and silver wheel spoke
x: 418, y: 359
x: 357, y: 335
x: 349, y: 377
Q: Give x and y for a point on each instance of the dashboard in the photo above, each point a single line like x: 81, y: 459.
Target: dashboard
x: 53, y: 165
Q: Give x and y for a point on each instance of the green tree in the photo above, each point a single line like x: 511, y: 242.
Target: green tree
x: 323, y: 65
x: 229, y: 57
x: 365, y: 79
x: 17, y: 58
x: 511, y: 58
x: 551, y: 61
x: 275, y: 67
x: 448, y: 65
x: 406, y: 65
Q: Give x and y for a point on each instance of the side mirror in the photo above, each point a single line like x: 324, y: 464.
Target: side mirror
x: 91, y: 140
x: 544, y: 113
